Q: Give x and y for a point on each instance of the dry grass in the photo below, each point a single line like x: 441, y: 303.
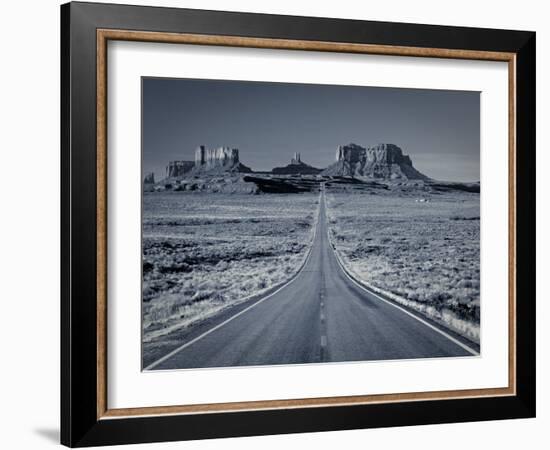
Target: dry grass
x: 203, y: 253
x: 423, y: 251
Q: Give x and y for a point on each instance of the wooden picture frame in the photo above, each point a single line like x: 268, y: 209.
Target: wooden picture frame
x: 86, y: 418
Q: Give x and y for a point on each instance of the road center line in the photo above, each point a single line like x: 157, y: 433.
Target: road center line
x: 225, y: 322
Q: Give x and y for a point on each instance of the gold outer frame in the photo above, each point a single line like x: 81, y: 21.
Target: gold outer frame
x: 104, y: 35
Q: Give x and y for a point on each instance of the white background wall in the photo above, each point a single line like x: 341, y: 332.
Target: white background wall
x: 29, y: 223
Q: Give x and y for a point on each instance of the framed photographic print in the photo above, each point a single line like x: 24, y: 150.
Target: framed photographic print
x: 276, y: 224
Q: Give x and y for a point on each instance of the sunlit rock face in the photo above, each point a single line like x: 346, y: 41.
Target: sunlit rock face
x: 176, y: 169
x: 221, y: 159
x: 296, y: 159
x: 382, y: 161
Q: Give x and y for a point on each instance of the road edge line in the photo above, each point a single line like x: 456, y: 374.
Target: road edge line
x: 414, y: 316
x: 207, y: 332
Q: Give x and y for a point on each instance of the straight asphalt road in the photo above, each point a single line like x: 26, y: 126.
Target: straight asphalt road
x: 322, y: 315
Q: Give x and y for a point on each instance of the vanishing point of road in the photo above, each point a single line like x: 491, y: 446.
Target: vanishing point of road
x: 322, y: 315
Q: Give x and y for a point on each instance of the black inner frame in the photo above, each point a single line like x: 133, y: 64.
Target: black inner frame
x: 79, y: 424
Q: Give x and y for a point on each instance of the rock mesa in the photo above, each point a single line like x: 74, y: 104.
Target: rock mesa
x: 218, y: 160
x: 176, y: 169
x: 296, y: 167
x: 382, y: 161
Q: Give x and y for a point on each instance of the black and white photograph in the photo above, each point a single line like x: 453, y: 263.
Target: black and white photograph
x: 289, y: 223
x: 275, y: 225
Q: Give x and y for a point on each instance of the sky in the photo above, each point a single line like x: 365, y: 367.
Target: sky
x: 268, y: 122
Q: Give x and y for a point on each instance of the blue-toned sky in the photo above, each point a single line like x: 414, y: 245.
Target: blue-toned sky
x: 268, y: 122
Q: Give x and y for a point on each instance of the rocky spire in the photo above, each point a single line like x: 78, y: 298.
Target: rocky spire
x: 149, y: 178
x: 296, y: 167
x: 296, y: 159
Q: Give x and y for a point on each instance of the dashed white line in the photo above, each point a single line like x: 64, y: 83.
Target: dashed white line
x: 225, y: 322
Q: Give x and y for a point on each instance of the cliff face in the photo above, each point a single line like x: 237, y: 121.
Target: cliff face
x: 178, y: 168
x: 218, y: 160
x: 149, y: 178
x: 207, y: 161
x: 149, y: 182
x: 296, y: 167
x: 382, y: 161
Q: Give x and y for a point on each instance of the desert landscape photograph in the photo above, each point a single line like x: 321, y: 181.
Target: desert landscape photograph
x: 287, y: 223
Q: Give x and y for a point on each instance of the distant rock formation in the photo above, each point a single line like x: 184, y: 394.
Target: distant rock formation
x: 176, y: 169
x: 149, y: 178
x: 296, y: 159
x: 149, y: 182
x: 296, y: 167
x: 382, y: 161
x: 218, y: 160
